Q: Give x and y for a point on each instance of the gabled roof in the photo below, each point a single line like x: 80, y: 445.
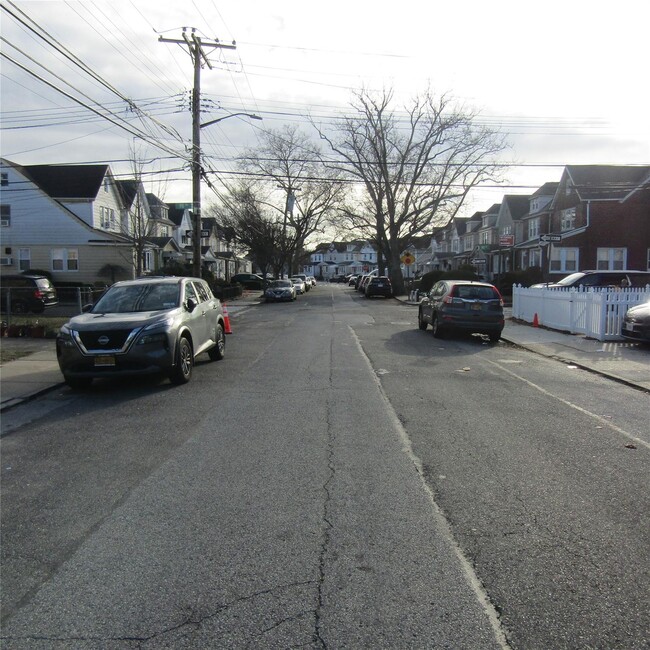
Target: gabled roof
x: 161, y: 242
x: 518, y: 204
x: 128, y: 190
x: 548, y: 189
x: 607, y: 182
x: 68, y: 181
x: 177, y: 210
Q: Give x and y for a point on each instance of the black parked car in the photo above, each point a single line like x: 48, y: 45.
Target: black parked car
x: 462, y: 306
x: 622, y: 279
x: 379, y: 286
x: 248, y: 280
x: 28, y: 292
x: 636, y: 324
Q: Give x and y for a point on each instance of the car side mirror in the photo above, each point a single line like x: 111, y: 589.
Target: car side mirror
x: 86, y: 308
x: 190, y: 305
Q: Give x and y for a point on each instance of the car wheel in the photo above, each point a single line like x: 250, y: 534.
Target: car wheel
x: 437, y: 330
x: 184, y: 362
x: 218, y: 352
x: 494, y: 337
x: 77, y: 383
x: 422, y: 324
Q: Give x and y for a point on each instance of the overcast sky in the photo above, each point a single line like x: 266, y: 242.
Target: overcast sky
x: 567, y: 81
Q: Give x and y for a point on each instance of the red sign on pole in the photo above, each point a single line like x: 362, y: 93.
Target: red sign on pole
x: 506, y: 240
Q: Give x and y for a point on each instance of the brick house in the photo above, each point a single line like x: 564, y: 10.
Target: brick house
x: 602, y: 213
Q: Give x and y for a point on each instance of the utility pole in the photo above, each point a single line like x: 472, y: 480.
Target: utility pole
x: 196, y: 47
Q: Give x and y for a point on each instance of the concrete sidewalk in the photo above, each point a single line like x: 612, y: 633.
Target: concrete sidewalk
x: 626, y: 362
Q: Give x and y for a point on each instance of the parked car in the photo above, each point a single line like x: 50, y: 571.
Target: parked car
x: 363, y: 283
x: 139, y: 327
x: 27, y: 292
x: 304, y: 279
x: 352, y: 281
x: 462, y: 306
x: 636, y: 323
x: 283, y: 290
x: 622, y: 279
x: 338, y: 278
x: 379, y: 286
x: 299, y: 284
x: 248, y: 280
x: 312, y: 279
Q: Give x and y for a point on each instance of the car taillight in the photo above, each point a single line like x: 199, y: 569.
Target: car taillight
x: 500, y: 298
x: 448, y: 300
x: 38, y: 294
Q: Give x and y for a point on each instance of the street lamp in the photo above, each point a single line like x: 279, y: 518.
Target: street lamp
x: 225, y: 117
x: 196, y: 177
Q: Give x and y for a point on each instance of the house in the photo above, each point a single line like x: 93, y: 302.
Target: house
x: 342, y: 258
x: 529, y: 251
x: 602, y: 214
x: 508, y: 224
x: 63, y: 219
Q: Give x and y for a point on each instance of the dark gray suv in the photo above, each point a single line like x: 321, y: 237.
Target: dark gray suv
x: 27, y: 292
x: 146, y: 326
x: 462, y: 306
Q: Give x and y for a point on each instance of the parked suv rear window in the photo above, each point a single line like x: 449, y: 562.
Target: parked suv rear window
x: 475, y: 293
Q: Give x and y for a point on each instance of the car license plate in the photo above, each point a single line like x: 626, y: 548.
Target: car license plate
x: 104, y: 361
x: 380, y: 284
x: 476, y: 307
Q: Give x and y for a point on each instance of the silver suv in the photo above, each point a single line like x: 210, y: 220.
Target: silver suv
x: 146, y: 326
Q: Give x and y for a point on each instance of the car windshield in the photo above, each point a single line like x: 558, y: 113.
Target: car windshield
x: 138, y: 297
x: 570, y: 279
x: 296, y: 280
x: 281, y: 284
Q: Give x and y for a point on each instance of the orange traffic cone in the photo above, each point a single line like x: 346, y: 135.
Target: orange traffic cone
x: 535, y: 320
x: 226, y: 319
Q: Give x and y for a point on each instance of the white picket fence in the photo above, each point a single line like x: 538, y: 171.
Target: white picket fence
x: 596, y: 313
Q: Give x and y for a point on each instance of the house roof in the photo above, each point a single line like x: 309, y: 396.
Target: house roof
x: 68, y: 181
x: 128, y: 190
x: 518, y: 204
x: 607, y: 182
x: 162, y: 242
x: 548, y: 189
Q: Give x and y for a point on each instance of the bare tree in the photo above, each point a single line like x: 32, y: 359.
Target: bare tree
x: 415, y: 168
x: 256, y: 230
x: 308, y: 198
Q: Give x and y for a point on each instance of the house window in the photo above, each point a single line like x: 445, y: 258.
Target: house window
x: 568, y: 219
x: 147, y: 261
x: 533, y: 228
x: 4, y: 179
x: 65, y: 259
x: 611, y: 259
x: 24, y: 259
x: 485, y: 237
x: 564, y: 260
x: 5, y: 215
x: 164, y: 231
x: 534, y: 258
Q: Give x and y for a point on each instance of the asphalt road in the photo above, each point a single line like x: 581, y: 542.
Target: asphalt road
x: 340, y: 480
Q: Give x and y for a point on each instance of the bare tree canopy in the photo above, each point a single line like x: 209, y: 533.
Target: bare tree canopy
x: 307, y: 199
x: 255, y: 228
x: 415, y: 167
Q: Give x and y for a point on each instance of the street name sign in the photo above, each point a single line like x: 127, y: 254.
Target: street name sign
x: 550, y: 238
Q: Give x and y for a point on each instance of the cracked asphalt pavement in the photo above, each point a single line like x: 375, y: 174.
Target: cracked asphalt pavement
x: 297, y: 494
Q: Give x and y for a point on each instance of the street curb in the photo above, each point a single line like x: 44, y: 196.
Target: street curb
x: 17, y: 401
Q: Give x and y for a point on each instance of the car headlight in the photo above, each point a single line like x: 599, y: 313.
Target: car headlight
x: 65, y: 336
x: 156, y: 332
